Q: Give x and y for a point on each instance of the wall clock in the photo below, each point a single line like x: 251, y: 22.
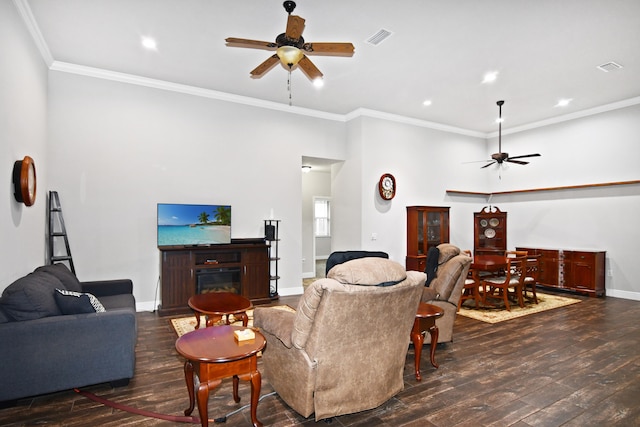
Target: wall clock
x: 387, y: 186
x: 24, y: 181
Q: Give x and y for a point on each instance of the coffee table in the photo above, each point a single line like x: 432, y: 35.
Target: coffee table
x: 214, y: 354
x: 216, y: 305
x: 425, y: 321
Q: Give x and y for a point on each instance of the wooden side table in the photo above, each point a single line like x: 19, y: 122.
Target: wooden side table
x: 425, y: 321
x: 216, y: 305
x: 214, y: 354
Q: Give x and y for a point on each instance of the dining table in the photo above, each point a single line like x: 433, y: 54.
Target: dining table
x: 483, y: 265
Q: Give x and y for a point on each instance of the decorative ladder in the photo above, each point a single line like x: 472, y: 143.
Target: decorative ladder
x: 57, y: 230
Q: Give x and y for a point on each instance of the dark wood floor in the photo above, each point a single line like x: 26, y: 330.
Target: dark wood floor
x: 573, y: 366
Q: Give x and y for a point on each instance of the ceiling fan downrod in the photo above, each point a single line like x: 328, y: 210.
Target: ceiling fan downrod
x: 500, y: 104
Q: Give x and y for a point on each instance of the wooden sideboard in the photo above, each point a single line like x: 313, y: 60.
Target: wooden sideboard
x: 576, y: 270
x: 241, y: 267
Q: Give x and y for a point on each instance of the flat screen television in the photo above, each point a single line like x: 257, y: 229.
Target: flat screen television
x: 193, y: 225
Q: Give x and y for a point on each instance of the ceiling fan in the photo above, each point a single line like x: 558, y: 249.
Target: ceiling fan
x: 291, y: 48
x: 500, y: 157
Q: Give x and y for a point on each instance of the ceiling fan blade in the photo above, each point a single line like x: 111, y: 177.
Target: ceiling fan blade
x: 295, y: 25
x: 256, y: 44
x: 265, y: 66
x: 525, y: 155
x: 520, y: 162
x: 345, y: 49
x: 489, y: 164
x: 309, y: 68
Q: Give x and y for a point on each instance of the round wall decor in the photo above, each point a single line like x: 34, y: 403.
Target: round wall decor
x: 387, y: 186
x: 24, y: 181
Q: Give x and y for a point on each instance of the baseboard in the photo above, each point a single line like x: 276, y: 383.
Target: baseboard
x: 308, y: 275
x: 635, y: 296
x: 145, y: 306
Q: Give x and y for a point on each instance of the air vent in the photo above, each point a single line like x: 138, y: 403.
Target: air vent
x: 609, y: 66
x: 379, y: 37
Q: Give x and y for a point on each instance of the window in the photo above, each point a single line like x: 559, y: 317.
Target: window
x: 322, y: 217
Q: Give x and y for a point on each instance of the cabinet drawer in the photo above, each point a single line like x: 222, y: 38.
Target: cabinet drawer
x: 588, y: 257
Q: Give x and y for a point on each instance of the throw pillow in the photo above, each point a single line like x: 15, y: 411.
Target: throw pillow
x: 31, y: 297
x: 368, y: 271
x: 77, y: 303
x: 62, y: 273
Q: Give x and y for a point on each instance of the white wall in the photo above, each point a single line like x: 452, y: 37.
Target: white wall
x: 595, y: 149
x: 119, y: 149
x: 23, y: 126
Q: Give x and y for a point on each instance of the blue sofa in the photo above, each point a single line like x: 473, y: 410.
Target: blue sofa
x: 55, y: 336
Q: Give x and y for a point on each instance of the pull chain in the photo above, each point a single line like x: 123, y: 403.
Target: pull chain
x: 289, y: 86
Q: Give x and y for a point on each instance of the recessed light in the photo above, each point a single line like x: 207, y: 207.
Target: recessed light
x: 306, y: 168
x: 563, y: 102
x: 427, y: 102
x: 490, y: 77
x: 149, y: 43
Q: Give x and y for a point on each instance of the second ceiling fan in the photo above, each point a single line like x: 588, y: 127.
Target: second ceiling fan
x: 500, y: 157
x: 291, y: 49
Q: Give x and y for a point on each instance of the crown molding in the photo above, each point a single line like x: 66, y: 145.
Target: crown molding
x: 30, y: 22
x: 190, y: 90
x: 364, y: 112
x: 571, y: 116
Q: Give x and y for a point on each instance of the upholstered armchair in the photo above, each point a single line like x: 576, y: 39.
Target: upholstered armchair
x: 344, y: 349
x: 446, y: 288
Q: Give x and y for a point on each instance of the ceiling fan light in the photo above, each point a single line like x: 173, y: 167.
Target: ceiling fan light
x: 318, y: 82
x: 289, y: 55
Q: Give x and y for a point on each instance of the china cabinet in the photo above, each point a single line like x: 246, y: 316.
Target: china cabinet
x: 489, y: 231
x: 427, y: 226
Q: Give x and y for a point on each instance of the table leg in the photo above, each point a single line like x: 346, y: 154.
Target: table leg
x: 256, y: 383
x: 236, y: 396
x: 245, y: 319
x: 433, y: 331
x: 188, y: 376
x: 418, y: 340
x: 197, y: 319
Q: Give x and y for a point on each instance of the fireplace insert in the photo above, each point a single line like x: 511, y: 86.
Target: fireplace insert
x: 218, y: 280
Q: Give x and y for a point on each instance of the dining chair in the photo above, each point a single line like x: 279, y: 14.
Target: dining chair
x: 470, y: 288
x: 499, y: 287
x: 531, y: 277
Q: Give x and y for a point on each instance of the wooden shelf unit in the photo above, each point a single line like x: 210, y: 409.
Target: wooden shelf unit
x: 580, y: 271
x: 179, y: 268
x: 427, y: 226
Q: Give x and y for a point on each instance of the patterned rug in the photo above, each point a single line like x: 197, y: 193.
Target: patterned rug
x: 500, y: 314
x: 182, y: 325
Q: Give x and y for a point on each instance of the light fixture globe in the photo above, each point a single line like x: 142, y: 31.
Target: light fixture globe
x: 289, y: 55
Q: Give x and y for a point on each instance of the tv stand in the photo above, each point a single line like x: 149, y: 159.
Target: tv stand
x: 180, y: 267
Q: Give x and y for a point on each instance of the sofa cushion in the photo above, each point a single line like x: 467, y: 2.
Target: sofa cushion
x: 62, y: 273
x: 368, y: 272
x: 4, y: 317
x: 338, y: 257
x: 31, y: 297
x: 71, y: 302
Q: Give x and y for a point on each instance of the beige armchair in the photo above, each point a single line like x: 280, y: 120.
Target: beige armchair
x: 446, y: 288
x: 344, y: 349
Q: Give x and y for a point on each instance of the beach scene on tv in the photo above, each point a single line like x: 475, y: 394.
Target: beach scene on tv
x: 188, y: 225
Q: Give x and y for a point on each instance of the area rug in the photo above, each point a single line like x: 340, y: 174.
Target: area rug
x: 500, y: 314
x: 182, y: 325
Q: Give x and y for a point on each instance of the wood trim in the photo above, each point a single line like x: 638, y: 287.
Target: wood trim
x: 536, y: 190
